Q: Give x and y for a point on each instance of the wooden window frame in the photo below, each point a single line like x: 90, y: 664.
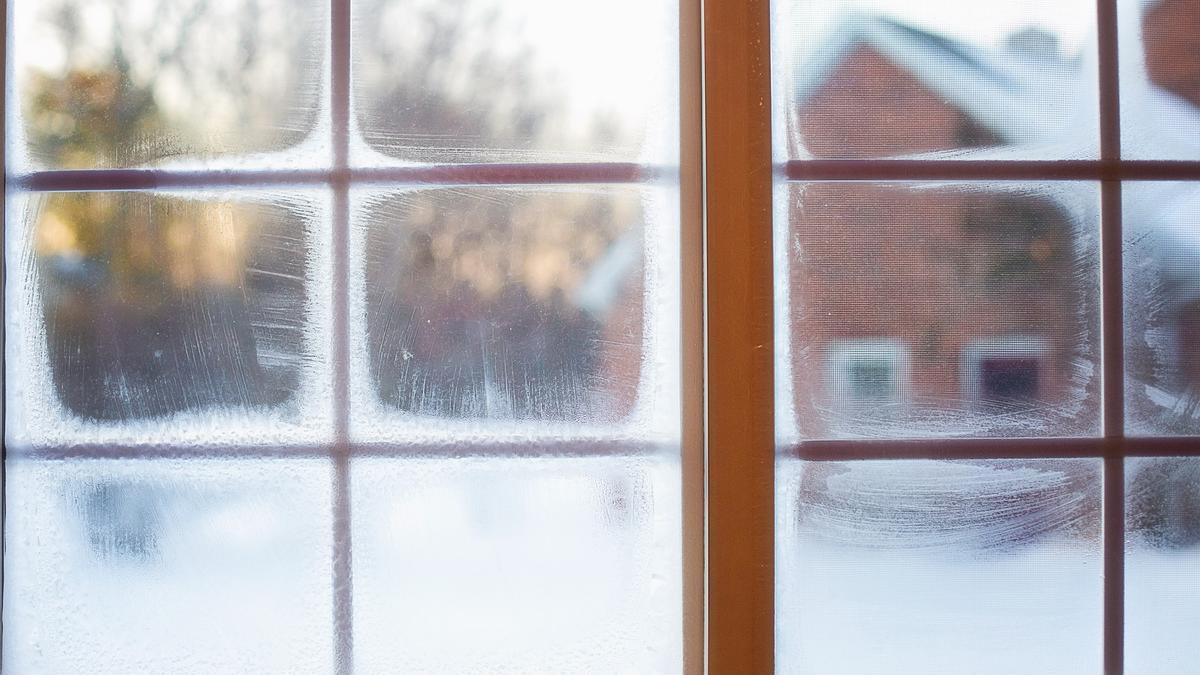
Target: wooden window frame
x: 728, y: 454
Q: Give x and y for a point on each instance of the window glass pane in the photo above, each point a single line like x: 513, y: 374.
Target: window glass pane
x: 938, y: 567
x: 111, y: 83
x: 116, y: 566
x: 913, y: 310
x: 886, y: 78
x: 1160, y: 79
x: 516, y: 80
x: 140, y: 317
x: 1162, y: 564
x: 517, y: 564
x: 1162, y: 308
x: 518, y: 307
x: 380, y: 315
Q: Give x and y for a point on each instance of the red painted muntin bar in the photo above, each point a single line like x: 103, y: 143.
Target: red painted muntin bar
x: 989, y: 448
x: 989, y: 170
x: 89, y: 180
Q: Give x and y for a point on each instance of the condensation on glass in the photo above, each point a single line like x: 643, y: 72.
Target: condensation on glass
x: 517, y: 565
x: 513, y: 308
x: 1162, y: 564
x: 919, y: 310
x: 891, y: 78
x: 1160, y: 79
x: 168, y: 566
x: 519, y: 304
x: 528, y: 80
x: 936, y: 310
x: 176, y: 333
x: 116, y: 84
x: 938, y: 567
x: 1162, y: 308
x: 194, y: 317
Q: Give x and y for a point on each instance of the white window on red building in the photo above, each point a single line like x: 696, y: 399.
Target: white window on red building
x: 1005, y: 372
x: 870, y: 371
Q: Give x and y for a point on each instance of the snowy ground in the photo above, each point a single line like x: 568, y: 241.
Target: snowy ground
x: 856, y: 610
x: 1035, y: 610
x: 972, y: 568
x: 1162, y: 611
x: 527, y: 565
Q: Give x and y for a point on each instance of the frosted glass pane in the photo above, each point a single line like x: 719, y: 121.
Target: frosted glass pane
x: 1162, y: 308
x: 938, y: 567
x: 516, y: 80
x: 141, y: 317
x: 568, y: 565
x: 1160, y: 79
x: 110, y: 83
x: 517, y: 306
x: 181, y: 566
x: 913, y: 310
x: 1162, y: 565
x: 887, y: 78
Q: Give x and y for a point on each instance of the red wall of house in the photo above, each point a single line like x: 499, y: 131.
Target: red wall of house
x: 918, y: 266
x: 869, y: 107
x: 1169, y: 30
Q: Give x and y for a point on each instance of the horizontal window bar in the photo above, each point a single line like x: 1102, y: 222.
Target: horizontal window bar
x: 448, y: 449
x: 979, y: 170
x: 453, y: 174
x: 832, y: 450
x: 88, y: 180
x: 990, y: 448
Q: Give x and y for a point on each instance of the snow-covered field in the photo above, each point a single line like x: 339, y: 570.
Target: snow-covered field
x: 535, y: 565
x: 843, y: 609
x: 973, y: 568
x: 1162, y: 611
x: 460, y: 565
x: 1033, y: 610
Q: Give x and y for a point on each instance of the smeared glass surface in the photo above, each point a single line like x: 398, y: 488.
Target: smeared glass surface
x: 110, y: 83
x: 918, y: 310
x: 887, y: 78
x: 938, y: 567
x: 1162, y: 564
x: 546, y: 311
x: 1160, y: 79
x: 130, y: 308
x: 506, y: 303
x: 516, y: 80
x: 517, y: 565
x: 167, y: 566
x: 1162, y: 308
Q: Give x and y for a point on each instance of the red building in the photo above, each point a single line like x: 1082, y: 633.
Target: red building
x: 949, y: 308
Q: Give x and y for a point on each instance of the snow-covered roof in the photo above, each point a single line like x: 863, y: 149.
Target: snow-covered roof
x: 1022, y: 96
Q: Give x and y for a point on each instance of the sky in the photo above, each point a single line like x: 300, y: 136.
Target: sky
x: 621, y: 55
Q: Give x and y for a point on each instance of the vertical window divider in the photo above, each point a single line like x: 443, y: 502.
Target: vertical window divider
x: 691, y: 219
x: 1112, y: 308
x: 740, y: 434
x: 339, y: 110
x: 4, y: 80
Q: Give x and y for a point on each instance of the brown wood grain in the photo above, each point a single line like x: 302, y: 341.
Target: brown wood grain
x: 740, y: 436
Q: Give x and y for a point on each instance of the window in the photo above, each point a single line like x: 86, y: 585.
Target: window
x: 349, y: 336
x: 1006, y: 372
x: 378, y: 322
x: 984, y: 183
x: 866, y: 372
